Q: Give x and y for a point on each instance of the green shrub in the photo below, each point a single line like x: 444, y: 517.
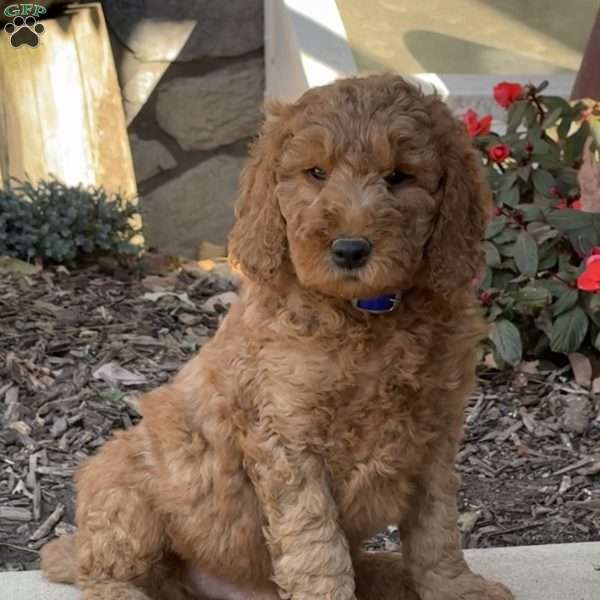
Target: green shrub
x: 61, y: 224
x: 540, y: 287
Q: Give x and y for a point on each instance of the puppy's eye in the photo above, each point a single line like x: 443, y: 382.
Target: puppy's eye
x: 318, y: 174
x: 395, y: 177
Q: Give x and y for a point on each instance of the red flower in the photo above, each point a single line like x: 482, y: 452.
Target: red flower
x: 562, y: 204
x: 499, y: 152
x: 589, y: 280
x: 506, y: 93
x: 577, y: 205
x: 477, y: 126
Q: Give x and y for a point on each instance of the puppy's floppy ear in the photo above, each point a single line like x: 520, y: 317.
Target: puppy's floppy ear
x: 257, y: 241
x: 454, y: 252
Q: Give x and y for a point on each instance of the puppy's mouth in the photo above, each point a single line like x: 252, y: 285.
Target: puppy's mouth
x: 354, y: 282
x: 348, y: 274
x: 350, y: 254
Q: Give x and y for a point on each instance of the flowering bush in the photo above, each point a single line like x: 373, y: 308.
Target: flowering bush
x: 541, y: 287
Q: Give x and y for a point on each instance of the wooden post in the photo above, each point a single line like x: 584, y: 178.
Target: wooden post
x: 61, y: 112
x: 587, y: 83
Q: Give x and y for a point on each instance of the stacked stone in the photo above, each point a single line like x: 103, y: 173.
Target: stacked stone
x: 192, y: 78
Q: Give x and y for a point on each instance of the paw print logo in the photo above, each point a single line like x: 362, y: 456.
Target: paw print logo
x: 24, y: 31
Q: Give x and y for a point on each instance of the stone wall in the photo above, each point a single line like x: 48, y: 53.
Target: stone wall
x: 192, y: 79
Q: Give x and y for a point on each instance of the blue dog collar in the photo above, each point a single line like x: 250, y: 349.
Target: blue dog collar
x: 377, y: 305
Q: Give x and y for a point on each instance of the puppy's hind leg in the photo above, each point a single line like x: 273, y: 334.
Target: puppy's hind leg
x: 113, y: 591
x: 59, y: 560
x: 120, y: 537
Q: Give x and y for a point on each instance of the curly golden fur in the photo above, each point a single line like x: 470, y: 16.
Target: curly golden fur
x: 306, y: 426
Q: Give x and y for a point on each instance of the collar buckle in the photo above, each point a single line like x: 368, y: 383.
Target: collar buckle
x: 378, y: 305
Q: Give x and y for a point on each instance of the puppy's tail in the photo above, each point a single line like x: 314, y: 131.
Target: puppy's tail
x: 59, y: 560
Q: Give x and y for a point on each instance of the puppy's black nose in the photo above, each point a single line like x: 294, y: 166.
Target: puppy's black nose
x: 350, y: 253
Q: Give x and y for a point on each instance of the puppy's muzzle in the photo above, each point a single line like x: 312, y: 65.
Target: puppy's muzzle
x: 350, y: 253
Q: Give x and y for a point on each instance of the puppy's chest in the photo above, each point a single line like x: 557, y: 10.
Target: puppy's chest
x: 378, y: 443
x: 380, y: 428
x: 372, y: 413
x: 355, y: 405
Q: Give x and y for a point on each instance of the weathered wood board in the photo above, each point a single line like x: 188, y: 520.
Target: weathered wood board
x: 61, y: 111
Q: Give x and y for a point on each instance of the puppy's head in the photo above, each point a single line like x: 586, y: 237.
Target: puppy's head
x: 362, y: 187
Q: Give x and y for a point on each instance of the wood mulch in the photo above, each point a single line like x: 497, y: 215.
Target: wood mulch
x: 530, y: 461
x: 77, y: 349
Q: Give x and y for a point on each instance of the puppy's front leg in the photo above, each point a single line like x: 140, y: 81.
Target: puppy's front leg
x: 310, y: 553
x: 431, y: 541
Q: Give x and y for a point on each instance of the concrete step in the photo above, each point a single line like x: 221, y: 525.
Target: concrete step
x: 557, y: 572
x: 554, y: 572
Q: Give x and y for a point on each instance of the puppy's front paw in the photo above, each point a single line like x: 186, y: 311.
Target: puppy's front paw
x: 467, y: 586
x: 487, y: 590
x: 475, y: 587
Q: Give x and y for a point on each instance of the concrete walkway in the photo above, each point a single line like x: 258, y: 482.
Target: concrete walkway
x: 560, y: 572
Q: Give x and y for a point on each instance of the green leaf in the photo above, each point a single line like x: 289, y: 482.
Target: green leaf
x: 569, y: 330
x: 492, y: 256
x: 486, y: 281
x: 509, y: 196
x: 543, y: 202
x: 556, y: 287
x: 564, y: 127
x: 516, y: 112
x: 534, y: 133
x: 506, y: 250
x: 530, y: 212
x: 541, y: 147
x: 595, y: 303
x: 570, y: 220
x: 531, y: 115
x: 551, y: 117
x: 553, y: 102
x: 582, y: 229
x: 507, y: 340
x: 543, y: 181
x: 494, y: 312
x: 567, y: 300
x: 505, y: 236
x: 541, y: 232
x: 502, y: 279
x: 568, y: 177
x: 592, y: 306
x: 495, y: 226
x: 525, y: 253
x: 550, y: 161
x: 584, y: 241
x: 548, y: 256
x: 532, y: 298
x: 567, y: 271
x: 524, y: 172
x: 508, y: 179
x: 512, y: 139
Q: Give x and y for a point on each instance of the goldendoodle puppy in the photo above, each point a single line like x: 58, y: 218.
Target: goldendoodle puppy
x: 330, y: 402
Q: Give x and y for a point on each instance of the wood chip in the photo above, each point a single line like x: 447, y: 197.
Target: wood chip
x: 46, y: 527
x: 15, y: 513
x: 574, y: 466
x: 504, y: 435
